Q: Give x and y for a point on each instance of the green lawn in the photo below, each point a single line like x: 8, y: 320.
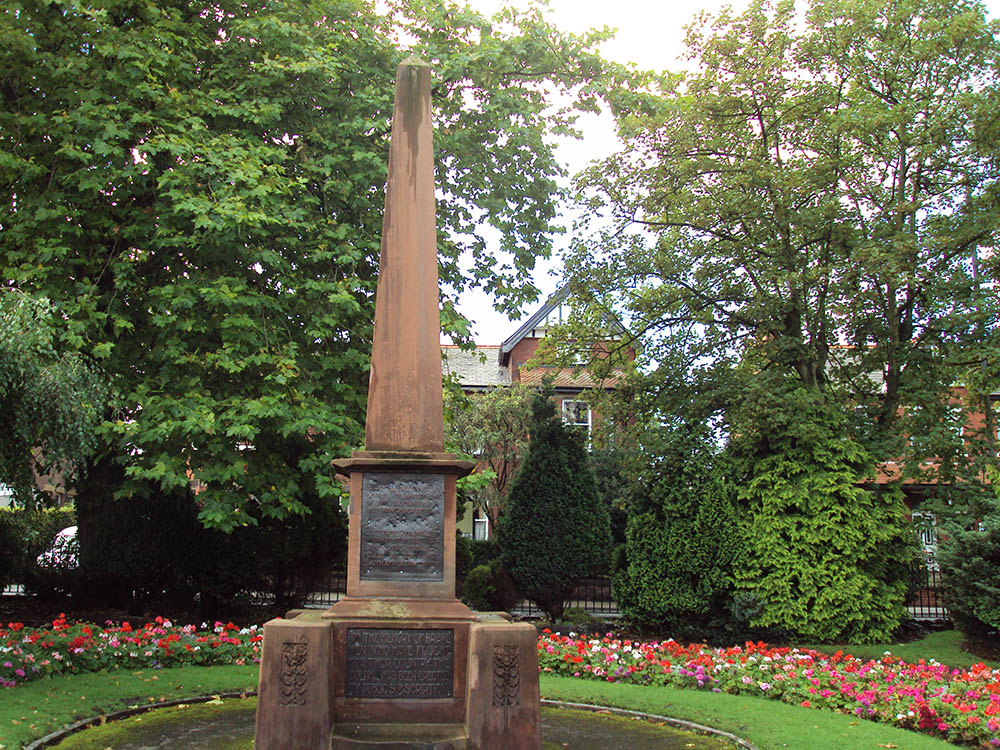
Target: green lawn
x: 30, y: 711
x: 768, y: 724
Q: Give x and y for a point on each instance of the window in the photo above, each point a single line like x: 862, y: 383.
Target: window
x: 577, y: 413
x: 480, y: 527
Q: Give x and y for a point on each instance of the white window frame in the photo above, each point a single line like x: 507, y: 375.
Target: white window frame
x: 480, y: 528
x: 570, y: 412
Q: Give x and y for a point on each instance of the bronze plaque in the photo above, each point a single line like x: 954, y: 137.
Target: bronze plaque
x: 400, y: 663
x: 402, y: 527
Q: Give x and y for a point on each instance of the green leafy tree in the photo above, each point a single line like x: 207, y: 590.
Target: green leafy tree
x: 817, y: 182
x: 683, y: 541
x: 199, y: 189
x: 555, y: 528
x: 827, y: 559
x: 51, y: 403
x: 492, y: 427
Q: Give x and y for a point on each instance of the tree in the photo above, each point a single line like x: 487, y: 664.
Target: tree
x: 555, y: 529
x: 812, y: 186
x: 683, y: 541
x: 491, y: 427
x: 827, y: 558
x: 50, y: 404
x: 199, y: 189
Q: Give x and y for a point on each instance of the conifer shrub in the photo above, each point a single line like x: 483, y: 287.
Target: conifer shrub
x: 555, y: 528
x: 970, y: 561
x: 682, y: 537
x: 828, y: 558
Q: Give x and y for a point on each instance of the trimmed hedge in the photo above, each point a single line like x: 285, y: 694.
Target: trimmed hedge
x: 489, y: 588
x: 151, y: 550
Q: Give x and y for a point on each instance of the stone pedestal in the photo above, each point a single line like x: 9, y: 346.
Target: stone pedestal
x: 399, y: 662
x: 328, y: 683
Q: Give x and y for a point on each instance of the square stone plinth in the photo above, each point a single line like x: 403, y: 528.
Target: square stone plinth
x: 504, y: 698
x: 293, y: 709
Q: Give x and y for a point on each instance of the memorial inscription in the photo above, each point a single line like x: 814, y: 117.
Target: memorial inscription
x: 400, y: 663
x: 402, y: 527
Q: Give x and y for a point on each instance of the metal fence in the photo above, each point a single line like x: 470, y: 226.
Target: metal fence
x: 923, y: 600
x: 592, y: 595
x: 332, y: 589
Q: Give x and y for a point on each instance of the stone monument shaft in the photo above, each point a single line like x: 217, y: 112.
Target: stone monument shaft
x: 404, y: 390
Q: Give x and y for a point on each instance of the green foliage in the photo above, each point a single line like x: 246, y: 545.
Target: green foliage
x: 683, y: 539
x: 489, y: 588
x: 491, y: 427
x: 818, y: 179
x: 827, y: 558
x: 24, y: 535
x: 484, y: 551
x: 50, y: 402
x: 555, y: 530
x: 153, y: 551
x: 463, y: 557
x: 969, y: 561
x: 613, y: 486
x: 200, y: 193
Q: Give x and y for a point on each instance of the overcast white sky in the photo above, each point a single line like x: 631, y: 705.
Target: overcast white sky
x: 650, y: 34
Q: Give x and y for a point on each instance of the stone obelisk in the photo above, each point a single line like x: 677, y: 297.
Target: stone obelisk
x: 400, y: 662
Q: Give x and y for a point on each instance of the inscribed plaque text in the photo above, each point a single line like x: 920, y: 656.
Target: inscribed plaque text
x: 400, y: 663
x: 402, y: 527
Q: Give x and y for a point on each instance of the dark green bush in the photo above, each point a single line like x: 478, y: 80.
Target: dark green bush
x: 484, y: 551
x: 153, y: 550
x: 24, y: 535
x: 682, y: 537
x: 555, y: 529
x: 489, y: 588
x: 463, y: 556
x: 970, y: 565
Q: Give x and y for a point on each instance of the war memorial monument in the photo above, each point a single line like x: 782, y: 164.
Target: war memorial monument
x: 400, y: 662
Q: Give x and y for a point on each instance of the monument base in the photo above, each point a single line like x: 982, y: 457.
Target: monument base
x: 400, y: 674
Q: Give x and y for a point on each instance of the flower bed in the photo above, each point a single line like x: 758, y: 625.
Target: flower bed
x: 67, y: 648
x: 961, y: 706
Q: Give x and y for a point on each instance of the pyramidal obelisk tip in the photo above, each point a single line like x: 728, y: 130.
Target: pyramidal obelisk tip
x: 414, y: 60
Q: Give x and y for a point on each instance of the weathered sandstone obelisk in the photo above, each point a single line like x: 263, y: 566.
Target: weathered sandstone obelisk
x: 400, y: 662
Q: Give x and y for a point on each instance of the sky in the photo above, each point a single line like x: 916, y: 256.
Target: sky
x: 650, y: 33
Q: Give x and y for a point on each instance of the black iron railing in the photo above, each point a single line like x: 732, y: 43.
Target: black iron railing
x: 923, y: 600
x: 592, y: 595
